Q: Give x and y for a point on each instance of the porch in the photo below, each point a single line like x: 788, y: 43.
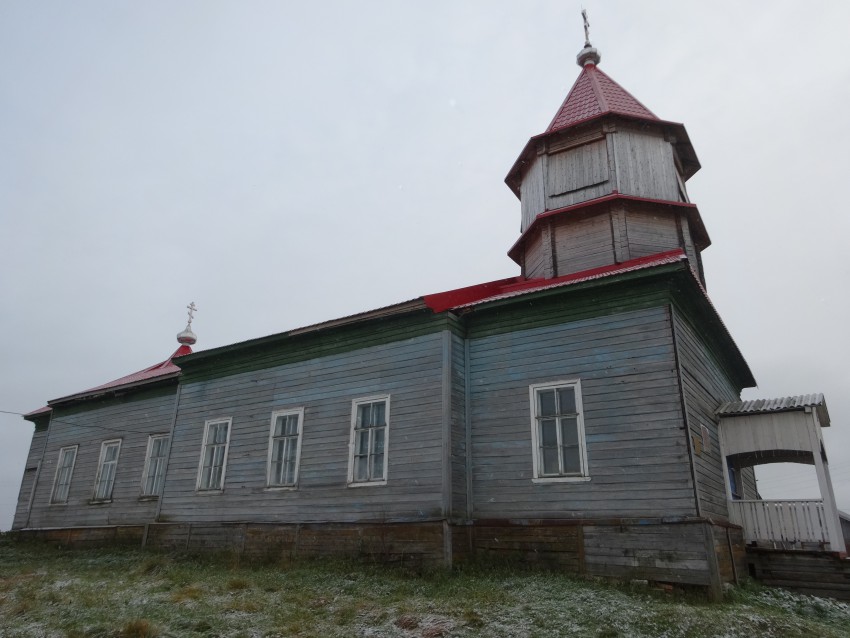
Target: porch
x: 786, y: 430
x: 800, y: 524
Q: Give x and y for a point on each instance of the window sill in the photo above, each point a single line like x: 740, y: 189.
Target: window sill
x: 100, y: 501
x: 209, y: 492
x: 149, y: 497
x: 367, y: 484
x: 280, y: 488
x: 561, y: 479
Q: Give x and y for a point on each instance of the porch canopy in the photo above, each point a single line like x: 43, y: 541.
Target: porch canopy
x: 786, y: 430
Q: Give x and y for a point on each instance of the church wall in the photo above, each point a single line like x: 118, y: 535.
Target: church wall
x: 645, y: 165
x: 535, y: 257
x: 637, y: 460
x: 583, y: 242
x: 532, y: 195
x: 458, y: 460
x: 577, y: 174
x: 705, y: 386
x: 409, y: 371
x: 651, y: 231
x: 39, y: 438
x: 131, y: 420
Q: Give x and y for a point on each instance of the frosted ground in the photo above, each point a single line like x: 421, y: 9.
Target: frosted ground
x: 47, y: 592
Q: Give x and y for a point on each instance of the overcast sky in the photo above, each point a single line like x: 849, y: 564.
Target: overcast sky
x: 283, y: 163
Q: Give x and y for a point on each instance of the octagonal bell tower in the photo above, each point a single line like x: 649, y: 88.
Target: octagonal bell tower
x: 604, y: 184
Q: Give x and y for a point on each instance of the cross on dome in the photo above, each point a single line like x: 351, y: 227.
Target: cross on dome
x: 187, y: 337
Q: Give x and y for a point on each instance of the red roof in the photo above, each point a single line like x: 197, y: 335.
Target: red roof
x: 594, y: 94
x: 154, y: 372
x: 506, y: 288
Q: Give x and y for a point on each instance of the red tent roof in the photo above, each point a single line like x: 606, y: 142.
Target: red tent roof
x: 593, y: 94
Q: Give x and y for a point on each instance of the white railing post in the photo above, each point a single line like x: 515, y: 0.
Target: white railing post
x: 781, y: 521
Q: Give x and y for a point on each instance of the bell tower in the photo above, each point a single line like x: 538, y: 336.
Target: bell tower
x: 604, y: 183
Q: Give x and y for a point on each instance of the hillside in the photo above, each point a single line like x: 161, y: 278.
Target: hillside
x: 46, y: 591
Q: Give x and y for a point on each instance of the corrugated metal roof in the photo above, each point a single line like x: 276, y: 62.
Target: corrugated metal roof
x: 153, y: 373
x: 784, y: 404
x: 671, y: 257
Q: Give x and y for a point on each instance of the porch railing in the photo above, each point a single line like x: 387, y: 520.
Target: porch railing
x: 789, y: 523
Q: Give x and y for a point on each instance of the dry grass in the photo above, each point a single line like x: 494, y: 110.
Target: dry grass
x: 128, y: 594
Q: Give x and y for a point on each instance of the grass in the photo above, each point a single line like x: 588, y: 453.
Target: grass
x: 45, y: 591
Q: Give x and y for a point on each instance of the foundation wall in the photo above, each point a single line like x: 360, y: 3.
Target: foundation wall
x: 688, y: 552
x: 823, y: 574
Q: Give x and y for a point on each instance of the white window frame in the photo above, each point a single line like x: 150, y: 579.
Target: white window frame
x: 538, y: 476
x: 62, y: 452
x: 298, y: 437
x: 146, y: 472
x: 355, y: 405
x: 199, y: 487
x: 101, y: 462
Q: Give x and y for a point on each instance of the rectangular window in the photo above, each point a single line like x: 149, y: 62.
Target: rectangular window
x: 106, y: 467
x: 735, y: 483
x: 64, y: 471
x: 153, y: 477
x: 284, y: 448
x: 214, y: 455
x: 557, y: 432
x: 367, y: 463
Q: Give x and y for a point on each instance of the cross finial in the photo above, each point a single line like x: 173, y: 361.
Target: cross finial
x: 192, y: 309
x: 586, y: 28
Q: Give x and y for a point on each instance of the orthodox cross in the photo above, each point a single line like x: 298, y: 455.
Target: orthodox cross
x: 192, y: 309
x: 586, y: 27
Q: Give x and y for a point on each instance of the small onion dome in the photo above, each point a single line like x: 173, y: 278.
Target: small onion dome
x: 187, y: 337
x: 588, y: 55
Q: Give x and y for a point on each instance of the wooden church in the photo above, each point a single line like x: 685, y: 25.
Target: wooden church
x: 568, y: 416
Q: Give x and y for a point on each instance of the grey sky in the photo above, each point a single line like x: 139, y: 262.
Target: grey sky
x: 284, y: 163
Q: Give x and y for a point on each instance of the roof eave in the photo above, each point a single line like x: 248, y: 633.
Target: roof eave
x: 687, y: 154
x: 88, y: 395
x: 703, y: 240
x: 394, y: 310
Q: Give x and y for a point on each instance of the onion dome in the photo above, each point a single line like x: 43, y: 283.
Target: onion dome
x: 187, y: 337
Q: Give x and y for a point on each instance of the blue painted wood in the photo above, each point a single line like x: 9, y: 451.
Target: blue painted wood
x: 632, y: 412
x: 129, y: 419
x: 409, y: 371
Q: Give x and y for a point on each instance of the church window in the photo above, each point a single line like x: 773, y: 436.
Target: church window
x: 213, y: 462
x: 557, y: 432
x: 106, y: 468
x: 368, y: 446
x: 64, y: 471
x: 285, y: 448
x: 153, y: 477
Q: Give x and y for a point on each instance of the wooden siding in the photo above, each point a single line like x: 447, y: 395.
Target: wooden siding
x: 705, y: 386
x: 821, y: 574
x: 535, y: 256
x: 409, y: 371
x: 637, y: 455
x: 651, y: 231
x: 577, y: 175
x: 308, y: 345
x: 669, y: 553
x: 532, y: 196
x: 132, y: 419
x: 645, y: 165
x: 31, y: 470
x: 459, y: 506
x: 583, y: 242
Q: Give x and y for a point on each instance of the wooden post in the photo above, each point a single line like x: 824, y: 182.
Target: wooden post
x: 715, y: 589
x: 833, y: 523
